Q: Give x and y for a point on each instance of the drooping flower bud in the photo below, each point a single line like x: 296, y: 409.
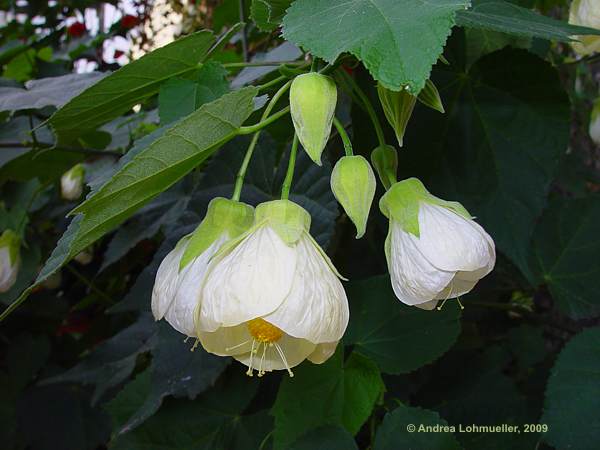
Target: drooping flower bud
x: 10, y: 259
x: 435, y: 250
x: 585, y: 13
x: 595, y: 123
x: 313, y: 98
x: 398, y: 107
x: 71, y: 183
x: 385, y: 160
x: 353, y: 184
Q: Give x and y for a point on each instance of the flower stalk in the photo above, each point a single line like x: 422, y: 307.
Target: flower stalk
x: 289, y: 176
x: 239, y: 181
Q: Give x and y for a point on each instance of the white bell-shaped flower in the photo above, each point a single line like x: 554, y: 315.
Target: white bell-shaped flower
x: 585, y: 13
x: 272, y: 297
x: 435, y: 250
x: 180, y: 275
x: 71, y: 183
x: 10, y: 259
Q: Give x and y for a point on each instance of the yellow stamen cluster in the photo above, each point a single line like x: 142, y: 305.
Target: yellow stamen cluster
x: 263, y: 331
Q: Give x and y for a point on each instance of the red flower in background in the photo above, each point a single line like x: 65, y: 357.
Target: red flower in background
x: 76, y: 30
x: 128, y: 21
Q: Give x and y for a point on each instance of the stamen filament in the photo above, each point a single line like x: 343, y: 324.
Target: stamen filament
x: 249, y: 372
x: 261, y: 372
x: 439, y: 308
x: 236, y: 346
x: 285, y: 363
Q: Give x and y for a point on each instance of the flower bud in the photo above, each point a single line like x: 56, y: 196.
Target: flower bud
x: 71, y: 183
x: 9, y: 259
x: 585, y: 13
x: 595, y: 123
x: 353, y: 185
x: 398, y: 107
x: 313, y: 98
x: 385, y: 160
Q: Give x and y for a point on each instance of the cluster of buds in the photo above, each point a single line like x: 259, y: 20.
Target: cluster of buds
x: 253, y: 284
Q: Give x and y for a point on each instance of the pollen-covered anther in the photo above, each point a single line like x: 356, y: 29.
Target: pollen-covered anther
x: 263, y: 331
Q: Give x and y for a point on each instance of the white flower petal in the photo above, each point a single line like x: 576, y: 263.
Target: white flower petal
x: 180, y: 313
x: 450, y: 242
x: 428, y: 306
x: 316, y: 308
x: 163, y: 293
x: 322, y: 352
x: 414, y: 279
x: 251, y: 281
x: 8, y: 271
x: 227, y: 341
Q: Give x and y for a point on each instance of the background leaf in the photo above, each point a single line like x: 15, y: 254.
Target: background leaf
x: 572, y: 394
x: 334, y: 392
x: 565, y: 255
x: 325, y: 438
x: 393, y: 434
x: 51, y: 91
x: 179, y: 97
x: 509, y: 18
x: 397, y: 337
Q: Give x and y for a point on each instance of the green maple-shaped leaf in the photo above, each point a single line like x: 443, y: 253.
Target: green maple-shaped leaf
x: 397, y: 40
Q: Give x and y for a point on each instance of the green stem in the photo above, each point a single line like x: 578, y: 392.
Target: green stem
x: 273, y: 82
x: 367, y: 105
x: 391, y: 178
x: 345, y: 139
x: 236, y: 65
x: 314, y: 64
x: 263, y: 123
x: 265, y: 120
x: 289, y: 176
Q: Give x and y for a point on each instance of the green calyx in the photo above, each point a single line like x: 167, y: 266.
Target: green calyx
x: 222, y: 216
x: 288, y: 219
x: 76, y: 172
x: 353, y: 185
x: 11, y: 240
x: 313, y: 98
x: 385, y: 160
x: 401, y: 204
